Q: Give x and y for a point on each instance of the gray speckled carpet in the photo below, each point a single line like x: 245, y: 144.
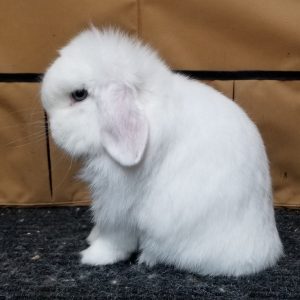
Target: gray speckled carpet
x: 39, y: 260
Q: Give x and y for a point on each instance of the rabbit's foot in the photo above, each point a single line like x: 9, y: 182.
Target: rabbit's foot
x: 102, y: 253
x: 108, y: 248
x: 94, y: 234
x: 148, y: 260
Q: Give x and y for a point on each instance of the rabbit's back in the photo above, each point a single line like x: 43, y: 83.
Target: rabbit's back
x: 209, y: 207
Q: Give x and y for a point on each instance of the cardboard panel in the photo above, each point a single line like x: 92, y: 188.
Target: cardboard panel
x: 66, y: 188
x: 223, y: 35
x: 191, y: 34
x: 275, y: 107
x: 24, y: 177
x: 31, y: 31
x: 225, y: 87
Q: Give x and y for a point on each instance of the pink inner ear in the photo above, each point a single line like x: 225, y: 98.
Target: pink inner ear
x: 124, y: 125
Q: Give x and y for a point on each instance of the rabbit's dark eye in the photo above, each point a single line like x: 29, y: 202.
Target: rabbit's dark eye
x: 79, y: 95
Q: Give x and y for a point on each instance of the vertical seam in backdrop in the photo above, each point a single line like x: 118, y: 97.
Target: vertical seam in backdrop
x: 48, y: 155
x: 139, y: 26
x: 233, y: 90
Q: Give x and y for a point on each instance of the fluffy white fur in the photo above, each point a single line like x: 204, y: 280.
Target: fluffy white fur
x: 176, y: 169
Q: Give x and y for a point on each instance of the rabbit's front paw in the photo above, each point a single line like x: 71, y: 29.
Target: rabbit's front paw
x: 94, y: 234
x: 147, y: 259
x: 102, y: 253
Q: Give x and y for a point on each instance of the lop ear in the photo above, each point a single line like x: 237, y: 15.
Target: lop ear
x: 123, y: 124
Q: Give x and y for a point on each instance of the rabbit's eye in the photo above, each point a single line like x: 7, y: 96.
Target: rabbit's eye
x: 79, y: 95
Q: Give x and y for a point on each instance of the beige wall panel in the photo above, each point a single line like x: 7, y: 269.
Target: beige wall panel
x: 24, y: 177
x: 223, y: 35
x: 275, y: 107
x: 66, y: 187
x: 31, y: 31
x: 225, y: 87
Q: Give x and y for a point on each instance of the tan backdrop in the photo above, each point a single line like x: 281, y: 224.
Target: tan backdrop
x: 190, y: 35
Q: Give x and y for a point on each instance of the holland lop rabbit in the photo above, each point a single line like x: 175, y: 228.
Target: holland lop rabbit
x: 176, y: 170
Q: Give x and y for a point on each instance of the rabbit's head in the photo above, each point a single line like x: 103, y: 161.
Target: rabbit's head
x: 91, y: 94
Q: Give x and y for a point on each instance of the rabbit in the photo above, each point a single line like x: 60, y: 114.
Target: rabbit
x: 177, y: 171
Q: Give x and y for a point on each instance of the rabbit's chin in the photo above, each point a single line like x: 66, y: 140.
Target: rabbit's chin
x: 75, y: 144
x: 76, y: 150
x: 75, y: 129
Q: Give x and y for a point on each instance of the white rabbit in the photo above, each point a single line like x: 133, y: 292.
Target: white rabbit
x: 176, y: 170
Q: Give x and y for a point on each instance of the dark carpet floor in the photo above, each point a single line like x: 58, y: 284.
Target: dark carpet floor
x: 39, y: 260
